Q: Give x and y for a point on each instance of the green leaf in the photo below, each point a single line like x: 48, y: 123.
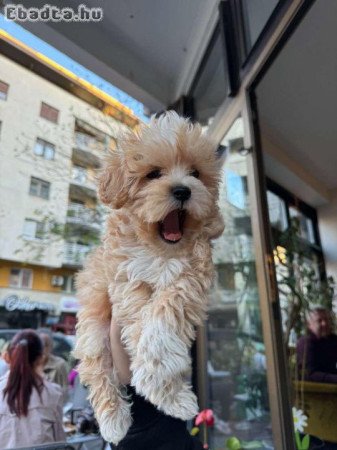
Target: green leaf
x: 298, y: 440
x: 306, y: 442
x: 233, y: 443
x: 195, y: 431
x: 251, y: 445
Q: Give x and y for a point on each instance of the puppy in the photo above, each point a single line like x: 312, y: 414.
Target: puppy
x: 152, y: 271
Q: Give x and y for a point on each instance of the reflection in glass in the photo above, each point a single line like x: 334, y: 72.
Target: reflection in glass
x: 306, y: 227
x: 236, y: 354
x: 256, y: 14
x: 277, y: 211
x: 212, y: 83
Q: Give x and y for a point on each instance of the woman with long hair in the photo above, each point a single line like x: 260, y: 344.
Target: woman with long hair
x: 30, y: 406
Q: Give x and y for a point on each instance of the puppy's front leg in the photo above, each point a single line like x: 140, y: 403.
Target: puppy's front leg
x: 161, y: 361
x: 93, y: 349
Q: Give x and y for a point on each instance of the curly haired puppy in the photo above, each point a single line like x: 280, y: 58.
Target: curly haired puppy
x: 152, y: 271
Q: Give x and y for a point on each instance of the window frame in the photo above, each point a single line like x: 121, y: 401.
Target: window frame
x: 290, y: 200
x: 4, y: 91
x: 40, y: 183
x: 44, y: 144
x: 49, y: 110
x: 21, y: 271
x: 36, y: 236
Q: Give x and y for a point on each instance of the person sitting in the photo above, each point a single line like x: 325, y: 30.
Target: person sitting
x: 30, y: 406
x: 317, y: 351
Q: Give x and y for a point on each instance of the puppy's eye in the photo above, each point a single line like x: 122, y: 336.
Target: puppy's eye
x: 154, y: 174
x: 195, y: 173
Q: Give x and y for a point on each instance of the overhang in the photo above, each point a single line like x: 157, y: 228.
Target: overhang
x: 147, y: 48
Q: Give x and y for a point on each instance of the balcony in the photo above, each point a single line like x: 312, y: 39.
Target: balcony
x: 82, y: 182
x: 85, y: 217
x: 74, y: 254
x: 87, y: 150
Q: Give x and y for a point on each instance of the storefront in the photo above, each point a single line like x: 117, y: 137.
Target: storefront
x: 17, y: 312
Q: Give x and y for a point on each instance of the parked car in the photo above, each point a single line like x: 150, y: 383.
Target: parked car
x: 63, y: 345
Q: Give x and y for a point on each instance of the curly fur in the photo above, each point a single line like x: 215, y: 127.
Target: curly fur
x: 156, y: 291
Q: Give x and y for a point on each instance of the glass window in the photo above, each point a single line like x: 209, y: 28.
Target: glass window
x: 236, y: 366
x: 211, y: 86
x: 21, y: 278
x: 306, y: 227
x: 255, y: 16
x: 39, y: 188
x: 44, y: 149
x: 49, y: 152
x: 3, y: 90
x: 33, y: 229
x: 277, y: 211
x: 49, y: 113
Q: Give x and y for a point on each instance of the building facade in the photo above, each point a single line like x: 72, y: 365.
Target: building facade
x: 51, y: 145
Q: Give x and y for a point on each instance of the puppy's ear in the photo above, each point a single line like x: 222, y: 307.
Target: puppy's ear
x: 112, y: 189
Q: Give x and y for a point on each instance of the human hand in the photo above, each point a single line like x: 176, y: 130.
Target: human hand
x: 121, y: 360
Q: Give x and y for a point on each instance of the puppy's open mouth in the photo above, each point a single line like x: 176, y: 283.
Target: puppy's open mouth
x: 171, y: 228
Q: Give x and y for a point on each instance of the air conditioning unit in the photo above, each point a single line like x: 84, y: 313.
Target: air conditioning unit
x: 57, y: 280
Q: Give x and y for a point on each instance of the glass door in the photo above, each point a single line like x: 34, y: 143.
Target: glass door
x: 243, y: 358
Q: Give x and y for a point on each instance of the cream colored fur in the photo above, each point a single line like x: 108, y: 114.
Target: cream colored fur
x: 156, y: 291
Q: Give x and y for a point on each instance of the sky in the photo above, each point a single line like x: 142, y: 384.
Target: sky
x: 39, y: 45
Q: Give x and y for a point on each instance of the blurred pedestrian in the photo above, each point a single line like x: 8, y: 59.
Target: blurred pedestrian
x: 4, y: 366
x: 55, y: 368
x: 30, y: 406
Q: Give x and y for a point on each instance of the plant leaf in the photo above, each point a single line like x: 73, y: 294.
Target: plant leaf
x: 251, y: 444
x: 233, y: 443
x: 306, y: 442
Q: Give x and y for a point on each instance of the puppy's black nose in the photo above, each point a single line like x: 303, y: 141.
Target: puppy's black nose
x: 181, y: 193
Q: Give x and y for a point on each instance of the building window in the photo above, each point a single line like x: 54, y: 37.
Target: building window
x: 69, y: 284
x: 39, y: 188
x: 3, y: 90
x: 33, y: 229
x: 44, y: 149
x: 21, y: 278
x: 49, y: 113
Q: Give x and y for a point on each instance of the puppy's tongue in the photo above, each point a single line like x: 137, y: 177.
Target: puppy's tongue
x: 171, y: 227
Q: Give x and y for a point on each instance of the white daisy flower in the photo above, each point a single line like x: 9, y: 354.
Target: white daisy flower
x: 300, y: 419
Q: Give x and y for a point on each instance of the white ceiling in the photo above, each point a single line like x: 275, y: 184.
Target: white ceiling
x: 297, y: 104
x: 145, y: 47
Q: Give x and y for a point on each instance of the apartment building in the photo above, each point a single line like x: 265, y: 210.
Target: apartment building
x: 52, y: 139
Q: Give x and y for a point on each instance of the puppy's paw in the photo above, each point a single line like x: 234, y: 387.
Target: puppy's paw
x: 162, y: 353
x: 183, y: 405
x: 115, y: 425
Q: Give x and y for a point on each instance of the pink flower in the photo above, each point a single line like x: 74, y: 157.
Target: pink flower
x: 206, y: 416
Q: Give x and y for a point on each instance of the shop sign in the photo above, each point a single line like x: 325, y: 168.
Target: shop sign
x: 69, y: 304
x: 14, y: 302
